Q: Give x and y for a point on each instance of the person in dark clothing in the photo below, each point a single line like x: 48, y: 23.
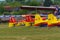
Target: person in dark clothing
x: 56, y: 11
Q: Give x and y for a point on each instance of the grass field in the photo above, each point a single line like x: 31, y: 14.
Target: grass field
x: 30, y: 33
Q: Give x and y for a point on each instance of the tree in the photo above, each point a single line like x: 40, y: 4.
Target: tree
x: 19, y: 0
x: 33, y: 3
x: 14, y: 4
x: 9, y: 1
x: 56, y: 2
x: 1, y: 9
x: 20, y: 12
x: 48, y: 3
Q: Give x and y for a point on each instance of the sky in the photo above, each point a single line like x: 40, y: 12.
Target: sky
x: 2, y: 0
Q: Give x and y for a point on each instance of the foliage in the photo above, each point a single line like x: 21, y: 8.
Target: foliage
x: 20, y: 12
x: 19, y: 0
x: 57, y: 2
x: 14, y: 4
x: 1, y: 9
x: 48, y: 3
x: 17, y: 3
x: 34, y: 12
x: 34, y: 3
x: 9, y: 0
x: 7, y: 13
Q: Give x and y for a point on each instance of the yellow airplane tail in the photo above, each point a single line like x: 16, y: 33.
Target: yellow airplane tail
x: 52, y: 19
x: 38, y: 20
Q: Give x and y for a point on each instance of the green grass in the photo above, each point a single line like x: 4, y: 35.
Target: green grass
x: 28, y: 33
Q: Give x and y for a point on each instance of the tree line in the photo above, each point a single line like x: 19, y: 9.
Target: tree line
x: 18, y: 3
